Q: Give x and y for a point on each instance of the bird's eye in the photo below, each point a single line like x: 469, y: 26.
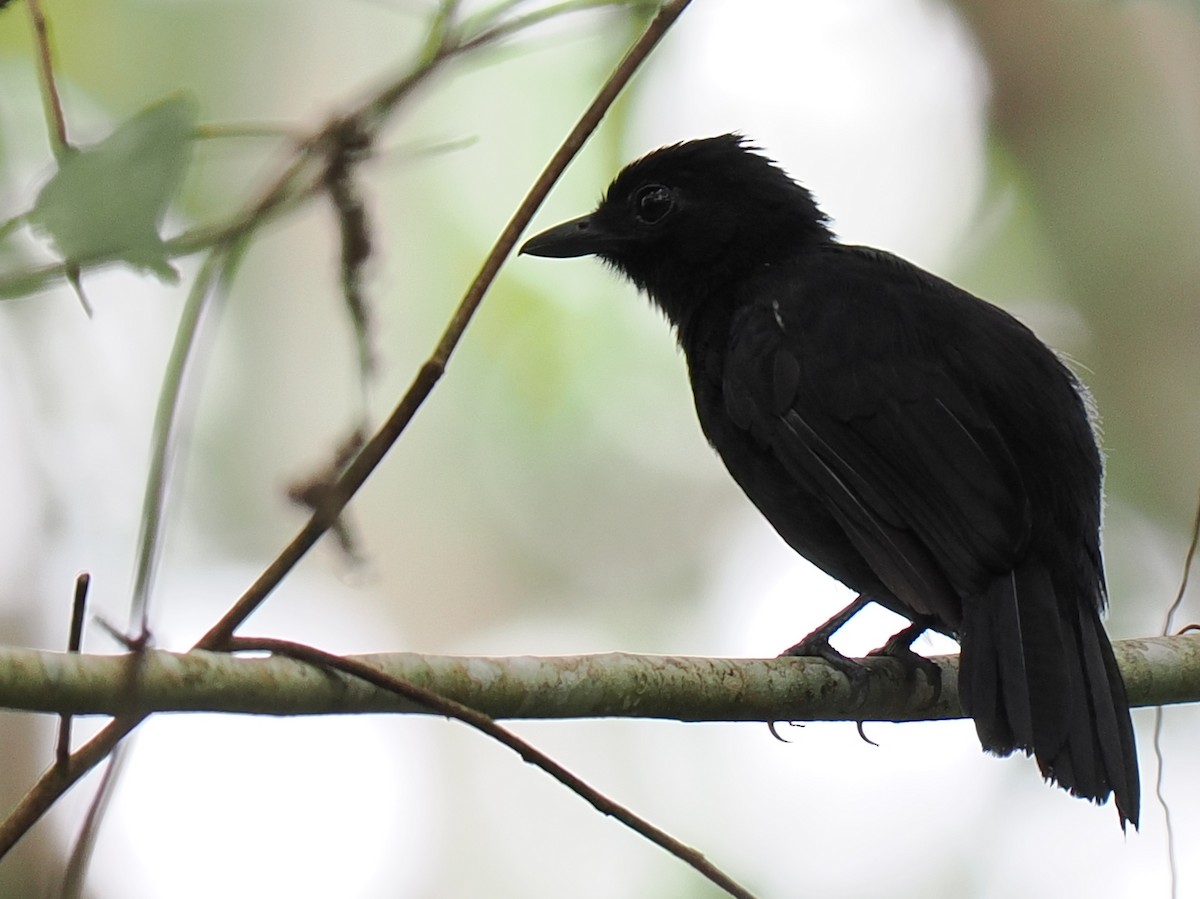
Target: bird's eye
x: 652, y: 203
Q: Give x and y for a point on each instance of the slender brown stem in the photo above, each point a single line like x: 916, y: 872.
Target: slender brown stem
x: 57, y: 780
x: 62, y: 749
x: 487, y: 725
x: 54, y: 112
x: 429, y: 374
x: 1160, y: 760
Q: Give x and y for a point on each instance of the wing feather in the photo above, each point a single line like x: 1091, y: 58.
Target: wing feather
x: 911, y: 467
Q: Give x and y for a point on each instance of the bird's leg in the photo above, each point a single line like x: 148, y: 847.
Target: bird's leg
x: 817, y: 645
x: 817, y: 642
x: 899, y: 647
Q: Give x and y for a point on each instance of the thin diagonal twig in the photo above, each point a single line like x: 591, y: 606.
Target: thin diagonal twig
x: 433, y: 368
x: 488, y: 726
x: 1188, y: 559
x: 163, y: 431
x: 298, y: 179
x: 55, y: 781
x: 54, y: 113
x: 1168, y: 624
x: 62, y: 748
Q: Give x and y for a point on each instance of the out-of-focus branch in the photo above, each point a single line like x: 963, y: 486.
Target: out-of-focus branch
x: 55, y: 781
x: 54, y: 112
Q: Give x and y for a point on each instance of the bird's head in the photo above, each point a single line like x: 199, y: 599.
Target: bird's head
x: 686, y: 220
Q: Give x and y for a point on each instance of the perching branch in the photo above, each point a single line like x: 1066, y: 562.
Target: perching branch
x: 1158, y: 671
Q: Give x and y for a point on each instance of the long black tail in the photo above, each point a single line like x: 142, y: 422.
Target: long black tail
x: 1037, y: 673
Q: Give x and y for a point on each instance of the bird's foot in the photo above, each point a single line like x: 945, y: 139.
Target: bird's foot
x: 899, y: 647
x: 817, y: 646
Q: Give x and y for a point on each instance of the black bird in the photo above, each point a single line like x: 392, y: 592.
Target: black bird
x: 920, y: 445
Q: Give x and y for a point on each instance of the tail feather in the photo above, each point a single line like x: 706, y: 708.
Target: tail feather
x: 1043, y: 638
x: 1076, y: 764
x: 1038, y: 674
x: 991, y: 679
x: 1113, y: 724
x: 979, y: 686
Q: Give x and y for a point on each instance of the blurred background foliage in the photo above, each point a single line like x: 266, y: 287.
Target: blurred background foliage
x: 555, y: 494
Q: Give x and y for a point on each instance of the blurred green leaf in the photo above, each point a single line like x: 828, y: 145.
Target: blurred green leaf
x: 108, y: 200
